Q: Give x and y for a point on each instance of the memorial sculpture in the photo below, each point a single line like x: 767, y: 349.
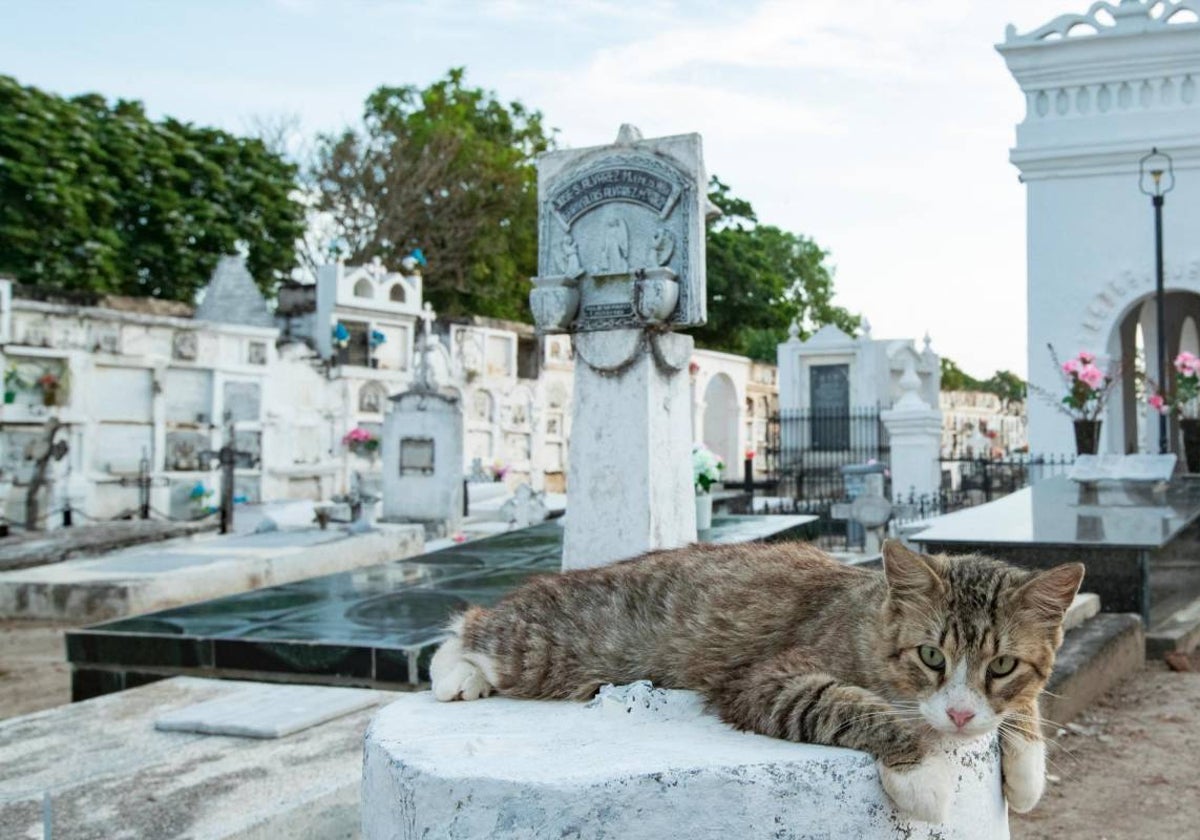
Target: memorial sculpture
x: 621, y: 267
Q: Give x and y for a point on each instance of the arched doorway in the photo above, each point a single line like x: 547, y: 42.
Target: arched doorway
x: 1138, y: 354
x: 721, y: 422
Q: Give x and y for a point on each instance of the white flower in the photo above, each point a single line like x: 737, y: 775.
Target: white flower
x: 706, y: 467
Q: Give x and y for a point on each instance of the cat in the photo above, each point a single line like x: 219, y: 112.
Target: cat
x: 787, y: 642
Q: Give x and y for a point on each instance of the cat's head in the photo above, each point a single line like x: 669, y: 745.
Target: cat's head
x: 970, y: 640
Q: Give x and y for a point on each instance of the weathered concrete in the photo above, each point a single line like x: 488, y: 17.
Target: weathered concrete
x: 1179, y: 632
x: 182, y: 572
x: 111, y: 775
x: 1094, y: 657
x: 262, y: 710
x: 21, y: 551
x: 502, y: 768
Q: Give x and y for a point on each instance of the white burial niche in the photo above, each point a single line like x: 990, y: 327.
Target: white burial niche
x: 621, y: 236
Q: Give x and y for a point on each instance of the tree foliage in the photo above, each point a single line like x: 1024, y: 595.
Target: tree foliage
x: 760, y: 280
x: 447, y: 169
x: 1003, y: 383
x: 99, y: 197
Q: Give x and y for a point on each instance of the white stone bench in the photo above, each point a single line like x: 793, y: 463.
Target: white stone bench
x: 501, y: 768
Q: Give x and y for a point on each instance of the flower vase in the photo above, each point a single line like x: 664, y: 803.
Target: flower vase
x: 703, y: 511
x: 49, y: 396
x: 1191, y: 443
x: 1087, y: 436
x: 10, y: 397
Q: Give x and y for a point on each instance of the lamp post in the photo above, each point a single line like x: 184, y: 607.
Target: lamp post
x: 1160, y: 181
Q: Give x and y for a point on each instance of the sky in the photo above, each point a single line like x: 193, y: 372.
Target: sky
x: 880, y: 129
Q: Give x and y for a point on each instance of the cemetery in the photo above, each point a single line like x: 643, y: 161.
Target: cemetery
x: 255, y: 520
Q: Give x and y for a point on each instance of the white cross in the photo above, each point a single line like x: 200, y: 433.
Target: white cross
x: 424, y: 372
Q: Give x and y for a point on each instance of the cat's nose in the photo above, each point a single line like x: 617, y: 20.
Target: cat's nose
x: 961, y: 717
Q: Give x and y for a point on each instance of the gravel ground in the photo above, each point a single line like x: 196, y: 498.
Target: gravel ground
x: 34, y: 673
x: 1128, y: 768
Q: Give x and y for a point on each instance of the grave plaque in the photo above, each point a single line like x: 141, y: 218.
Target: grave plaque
x: 416, y: 455
x: 243, y: 401
x: 621, y: 234
x: 829, y: 393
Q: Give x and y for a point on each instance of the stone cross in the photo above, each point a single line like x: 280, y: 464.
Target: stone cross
x: 424, y: 372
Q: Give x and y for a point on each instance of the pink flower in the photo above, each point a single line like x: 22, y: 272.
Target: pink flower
x: 1092, y: 376
x: 1071, y: 367
x: 1158, y: 403
x: 1086, y: 358
x: 1187, y: 363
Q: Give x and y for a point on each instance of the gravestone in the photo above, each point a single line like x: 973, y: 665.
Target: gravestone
x: 621, y: 265
x: 422, y: 451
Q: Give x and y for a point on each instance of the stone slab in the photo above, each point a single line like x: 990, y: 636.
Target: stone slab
x: 261, y: 710
x: 503, y: 768
x: 111, y: 774
x: 22, y: 551
x: 169, y: 574
x: 1093, y: 658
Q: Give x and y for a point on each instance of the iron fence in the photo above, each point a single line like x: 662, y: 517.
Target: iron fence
x: 812, y: 445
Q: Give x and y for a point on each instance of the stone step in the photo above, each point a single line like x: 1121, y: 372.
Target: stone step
x: 1179, y: 632
x: 1094, y: 657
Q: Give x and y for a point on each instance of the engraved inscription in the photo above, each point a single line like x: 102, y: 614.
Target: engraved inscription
x: 620, y: 183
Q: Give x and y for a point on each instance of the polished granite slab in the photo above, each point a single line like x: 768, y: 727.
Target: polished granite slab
x: 1139, y: 542
x: 374, y: 626
x: 1059, y: 511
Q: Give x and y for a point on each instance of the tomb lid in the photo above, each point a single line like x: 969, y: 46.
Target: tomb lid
x: 231, y: 296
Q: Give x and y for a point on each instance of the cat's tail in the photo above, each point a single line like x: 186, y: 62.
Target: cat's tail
x: 459, y: 674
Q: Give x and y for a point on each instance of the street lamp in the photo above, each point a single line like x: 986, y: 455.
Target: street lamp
x: 1156, y: 178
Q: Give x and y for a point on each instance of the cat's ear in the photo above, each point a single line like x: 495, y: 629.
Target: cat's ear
x: 1048, y: 594
x: 909, y: 573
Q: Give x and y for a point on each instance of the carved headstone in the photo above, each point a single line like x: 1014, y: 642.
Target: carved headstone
x: 621, y: 236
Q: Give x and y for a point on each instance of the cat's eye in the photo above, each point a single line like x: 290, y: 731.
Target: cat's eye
x: 1002, y: 666
x: 932, y: 657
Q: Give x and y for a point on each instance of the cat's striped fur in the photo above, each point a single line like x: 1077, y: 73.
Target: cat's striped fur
x: 787, y: 642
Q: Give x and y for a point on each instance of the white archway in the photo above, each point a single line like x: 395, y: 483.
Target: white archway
x: 721, y: 411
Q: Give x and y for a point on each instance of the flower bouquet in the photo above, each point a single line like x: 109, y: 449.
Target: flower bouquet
x: 361, y: 442
x: 48, y: 384
x: 1183, y: 400
x: 1088, y: 389
x: 706, y: 471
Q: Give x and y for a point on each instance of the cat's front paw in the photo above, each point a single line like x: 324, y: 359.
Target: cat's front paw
x: 453, y: 677
x: 921, y: 790
x: 1023, y: 763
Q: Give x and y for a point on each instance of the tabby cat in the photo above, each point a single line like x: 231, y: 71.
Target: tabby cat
x: 787, y: 642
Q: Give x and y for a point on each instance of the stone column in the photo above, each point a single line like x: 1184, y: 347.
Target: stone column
x: 630, y: 487
x: 915, y: 432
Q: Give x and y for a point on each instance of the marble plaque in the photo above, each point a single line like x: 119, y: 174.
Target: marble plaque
x: 624, y: 225
x: 416, y: 455
x: 188, y: 396
x: 243, y: 401
x: 1123, y: 468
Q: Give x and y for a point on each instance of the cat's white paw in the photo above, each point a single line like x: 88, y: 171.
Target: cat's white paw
x: 923, y: 790
x: 1024, y: 766
x: 455, y: 678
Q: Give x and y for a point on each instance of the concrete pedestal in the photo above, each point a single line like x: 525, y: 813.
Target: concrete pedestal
x: 630, y: 448
x: 653, y: 766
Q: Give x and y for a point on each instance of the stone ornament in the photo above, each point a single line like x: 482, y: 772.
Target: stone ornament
x: 621, y: 236
x: 184, y: 346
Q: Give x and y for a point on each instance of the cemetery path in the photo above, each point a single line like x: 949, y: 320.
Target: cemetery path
x: 34, y: 673
x: 1128, y: 767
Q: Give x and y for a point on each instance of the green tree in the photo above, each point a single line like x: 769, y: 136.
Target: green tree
x: 1003, y: 383
x: 955, y: 379
x: 99, y: 197
x: 760, y: 280
x: 448, y: 169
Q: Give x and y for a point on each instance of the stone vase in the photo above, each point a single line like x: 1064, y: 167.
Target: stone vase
x: 1191, y: 443
x: 1087, y: 436
x: 655, y: 296
x: 704, y: 502
x: 554, y: 302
